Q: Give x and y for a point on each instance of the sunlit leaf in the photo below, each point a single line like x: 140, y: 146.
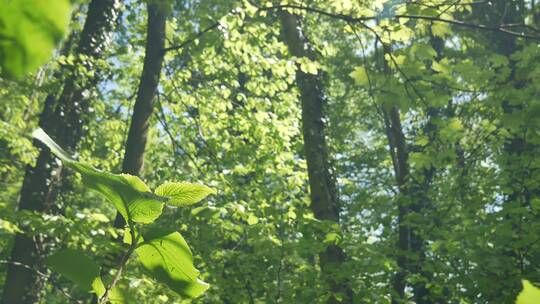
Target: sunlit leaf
x: 183, y: 194
x: 529, y: 295
x: 29, y: 31
x: 129, y: 194
x: 359, y: 76
x: 169, y: 260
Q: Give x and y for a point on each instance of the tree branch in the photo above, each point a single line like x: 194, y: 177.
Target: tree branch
x: 43, y: 275
x: 470, y: 25
x: 192, y: 38
x: 351, y: 19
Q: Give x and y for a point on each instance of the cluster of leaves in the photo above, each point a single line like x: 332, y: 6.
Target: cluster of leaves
x: 165, y: 254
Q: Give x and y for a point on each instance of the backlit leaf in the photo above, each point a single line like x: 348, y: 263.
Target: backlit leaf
x: 359, y: 75
x: 169, y: 260
x: 129, y: 194
x: 29, y: 31
x: 183, y: 194
x: 79, y: 268
x: 529, y: 295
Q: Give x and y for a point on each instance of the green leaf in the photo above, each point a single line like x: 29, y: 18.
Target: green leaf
x: 359, y: 76
x: 136, y: 182
x: 309, y: 67
x: 9, y: 227
x: 79, y: 268
x: 252, y: 219
x: 129, y: 194
x: 440, y: 29
x: 29, y: 31
x: 529, y: 295
x: 183, y: 194
x: 169, y: 260
x: 127, y: 236
x: 40, y: 135
x: 121, y: 294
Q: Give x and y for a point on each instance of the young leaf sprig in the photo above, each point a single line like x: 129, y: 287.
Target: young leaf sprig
x: 164, y: 253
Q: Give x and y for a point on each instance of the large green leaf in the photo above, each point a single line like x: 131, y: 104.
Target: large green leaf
x: 183, y: 194
x: 131, y: 197
x: 169, y: 260
x: 29, y: 31
x: 79, y: 268
x: 529, y: 295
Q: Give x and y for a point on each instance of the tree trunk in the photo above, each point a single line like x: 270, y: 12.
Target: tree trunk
x: 144, y: 104
x: 324, y: 200
x: 413, y: 199
x: 62, y: 118
x: 398, y: 151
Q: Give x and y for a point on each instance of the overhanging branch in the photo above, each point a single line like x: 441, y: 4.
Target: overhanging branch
x: 501, y: 28
x: 192, y: 38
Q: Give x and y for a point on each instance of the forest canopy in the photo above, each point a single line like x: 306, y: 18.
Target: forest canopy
x: 264, y: 151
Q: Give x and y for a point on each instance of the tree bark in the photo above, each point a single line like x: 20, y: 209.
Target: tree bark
x: 144, y: 104
x: 62, y: 118
x: 323, y: 191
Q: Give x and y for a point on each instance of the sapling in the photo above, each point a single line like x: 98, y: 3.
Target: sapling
x: 163, y: 253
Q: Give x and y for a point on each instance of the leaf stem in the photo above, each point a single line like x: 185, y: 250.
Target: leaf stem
x: 121, y: 266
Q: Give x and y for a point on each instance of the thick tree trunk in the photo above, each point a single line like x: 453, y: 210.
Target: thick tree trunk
x: 144, y: 104
x: 62, y: 118
x: 324, y: 200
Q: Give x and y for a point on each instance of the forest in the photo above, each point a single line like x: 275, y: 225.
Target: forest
x: 270, y: 151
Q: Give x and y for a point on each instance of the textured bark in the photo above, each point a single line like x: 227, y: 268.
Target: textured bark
x: 144, y: 104
x: 62, y: 118
x: 323, y: 192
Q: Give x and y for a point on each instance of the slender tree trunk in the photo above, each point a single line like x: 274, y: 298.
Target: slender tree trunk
x: 412, y: 199
x: 324, y: 200
x: 62, y: 118
x: 144, y: 104
x: 398, y: 152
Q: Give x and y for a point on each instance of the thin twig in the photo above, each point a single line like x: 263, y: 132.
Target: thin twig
x: 352, y: 19
x: 43, y: 275
x: 121, y: 266
x: 163, y: 120
x: 192, y: 38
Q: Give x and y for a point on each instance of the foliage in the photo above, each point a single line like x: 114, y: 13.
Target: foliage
x: 227, y: 114
x: 43, y: 24
x: 165, y: 255
x: 529, y: 295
